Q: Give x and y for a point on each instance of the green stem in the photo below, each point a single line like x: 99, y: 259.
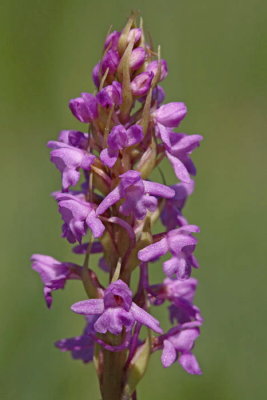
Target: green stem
x: 88, y: 284
x: 113, y: 375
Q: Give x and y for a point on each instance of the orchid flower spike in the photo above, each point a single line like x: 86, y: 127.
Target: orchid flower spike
x: 109, y: 201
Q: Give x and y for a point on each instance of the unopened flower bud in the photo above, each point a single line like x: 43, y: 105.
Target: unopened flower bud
x: 112, y: 40
x: 137, y: 58
x: 110, y: 61
x: 136, y: 33
x: 158, y: 96
x: 110, y: 95
x: 170, y: 114
x: 96, y: 74
x: 140, y: 85
x: 153, y: 67
x: 84, y: 108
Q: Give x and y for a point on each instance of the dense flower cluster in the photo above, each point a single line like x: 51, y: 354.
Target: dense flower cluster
x: 113, y: 210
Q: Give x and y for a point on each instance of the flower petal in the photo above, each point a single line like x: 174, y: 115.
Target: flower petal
x: 168, y: 355
x: 108, y: 201
x: 187, y: 143
x: 179, y: 168
x: 171, y: 266
x: 94, y: 223
x: 145, y: 318
x: 157, y: 189
x: 109, y: 158
x: 184, y: 340
x: 134, y: 135
x: 88, y: 307
x: 189, y: 363
x: 153, y: 251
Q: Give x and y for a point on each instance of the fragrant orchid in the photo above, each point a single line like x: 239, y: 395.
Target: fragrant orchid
x: 112, y: 211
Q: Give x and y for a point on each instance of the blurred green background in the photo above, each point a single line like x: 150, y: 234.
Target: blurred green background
x: 217, y: 58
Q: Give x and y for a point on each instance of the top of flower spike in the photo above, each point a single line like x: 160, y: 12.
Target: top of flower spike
x: 125, y: 53
x: 129, y: 70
